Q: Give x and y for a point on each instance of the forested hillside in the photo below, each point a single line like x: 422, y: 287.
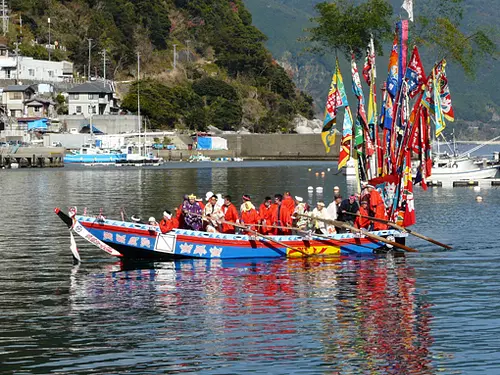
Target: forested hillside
x: 476, y: 99
x: 224, y: 75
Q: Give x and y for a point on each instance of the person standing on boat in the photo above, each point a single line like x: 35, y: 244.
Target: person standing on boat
x: 192, y: 213
x: 377, y: 207
x: 266, y: 215
x: 249, y: 215
x: 168, y: 222
x: 230, y: 215
x: 301, y: 209
x: 282, y: 217
x: 320, y: 226
x: 212, y: 214
x: 362, y: 222
x: 288, y: 201
x: 348, y: 207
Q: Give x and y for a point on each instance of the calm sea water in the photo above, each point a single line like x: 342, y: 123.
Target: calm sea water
x: 433, y: 312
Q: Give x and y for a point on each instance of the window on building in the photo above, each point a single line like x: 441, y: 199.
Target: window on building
x: 16, y: 95
x: 31, y: 72
x: 74, y: 96
x: 92, y: 109
x: 13, y: 113
x: 92, y: 96
x: 37, y: 109
x: 78, y: 109
x: 51, y: 73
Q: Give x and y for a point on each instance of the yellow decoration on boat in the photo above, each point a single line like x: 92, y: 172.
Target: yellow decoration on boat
x: 312, y: 250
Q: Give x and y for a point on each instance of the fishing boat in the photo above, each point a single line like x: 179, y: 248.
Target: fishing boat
x: 91, y: 154
x: 130, y: 240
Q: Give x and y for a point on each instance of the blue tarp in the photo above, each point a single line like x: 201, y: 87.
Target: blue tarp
x: 38, y: 124
x: 204, y: 143
x: 86, y: 129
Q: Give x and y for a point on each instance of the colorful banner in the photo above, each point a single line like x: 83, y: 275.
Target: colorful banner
x: 336, y: 98
x: 415, y: 75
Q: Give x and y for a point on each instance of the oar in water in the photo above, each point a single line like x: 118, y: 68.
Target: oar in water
x: 341, y: 224
x: 399, y: 227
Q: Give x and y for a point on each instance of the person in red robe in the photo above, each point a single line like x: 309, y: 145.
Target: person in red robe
x: 168, y: 222
x: 288, y: 201
x: 230, y: 215
x: 179, y: 214
x: 282, y: 217
x: 249, y: 215
x: 377, y: 208
x: 362, y: 222
x: 266, y: 216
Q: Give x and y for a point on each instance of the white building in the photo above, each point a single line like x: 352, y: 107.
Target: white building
x: 34, y: 70
x: 91, y: 98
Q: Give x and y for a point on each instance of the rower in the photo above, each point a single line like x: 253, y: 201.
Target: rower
x: 301, y: 209
x: 377, y: 208
x: 266, y: 215
x: 212, y: 214
x: 362, y: 222
x: 282, y: 217
x: 168, y: 222
x: 249, y: 215
x: 230, y: 215
x: 319, y: 226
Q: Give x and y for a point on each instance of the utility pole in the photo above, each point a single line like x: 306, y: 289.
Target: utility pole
x: 17, y: 62
x: 90, y: 49
x: 50, y: 47
x: 104, y: 73
x: 175, y: 56
x: 5, y: 23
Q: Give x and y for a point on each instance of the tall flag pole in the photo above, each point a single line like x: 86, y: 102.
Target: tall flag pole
x: 362, y: 140
x: 334, y: 101
x: 370, y: 76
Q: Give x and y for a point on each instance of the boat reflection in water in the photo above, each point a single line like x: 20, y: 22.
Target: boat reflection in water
x: 335, y: 315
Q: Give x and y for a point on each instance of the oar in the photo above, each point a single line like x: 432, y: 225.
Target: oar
x: 341, y: 224
x: 247, y: 228
x: 396, y: 226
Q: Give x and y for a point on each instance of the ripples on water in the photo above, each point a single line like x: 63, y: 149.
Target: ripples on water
x: 434, y: 312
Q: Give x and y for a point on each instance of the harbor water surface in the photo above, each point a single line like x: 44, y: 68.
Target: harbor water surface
x: 432, y: 312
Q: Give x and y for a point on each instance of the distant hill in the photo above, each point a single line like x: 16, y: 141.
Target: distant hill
x: 477, y: 102
x: 224, y: 76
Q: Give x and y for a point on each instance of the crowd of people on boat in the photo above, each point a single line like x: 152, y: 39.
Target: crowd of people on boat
x: 280, y: 215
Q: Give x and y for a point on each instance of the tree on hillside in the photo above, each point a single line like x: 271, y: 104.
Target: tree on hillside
x: 347, y: 27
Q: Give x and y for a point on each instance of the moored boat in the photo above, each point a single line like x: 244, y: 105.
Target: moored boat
x: 142, y: 241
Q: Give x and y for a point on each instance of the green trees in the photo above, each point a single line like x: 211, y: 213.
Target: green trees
x: 346, y: 27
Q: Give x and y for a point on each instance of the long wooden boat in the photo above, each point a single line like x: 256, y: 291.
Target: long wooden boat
x: 142, y: 241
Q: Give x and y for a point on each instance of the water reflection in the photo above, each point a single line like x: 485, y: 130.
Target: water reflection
x: 357, y: 316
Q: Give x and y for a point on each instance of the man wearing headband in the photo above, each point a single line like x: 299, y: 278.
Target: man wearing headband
x: 320, y: 226
x: 362, y: 222
x: 282, y: 217
x: 168, y: 222
x: 212, y: 214
x: 301, y: 209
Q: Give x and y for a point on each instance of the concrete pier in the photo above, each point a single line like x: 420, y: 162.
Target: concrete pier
x: 31, y: 157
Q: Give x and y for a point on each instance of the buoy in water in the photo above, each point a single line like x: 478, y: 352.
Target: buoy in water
x: 328, y: 169
x: 317, y: 173
x: 479, y: 198
x: 310, y: 188
x: 319, y: 189
x: 309, y: 169
x: 477, y: 188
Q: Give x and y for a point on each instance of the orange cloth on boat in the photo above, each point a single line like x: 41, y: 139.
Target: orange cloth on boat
x: 266, y: 217
x: 230, y: 214
x: 362, y: 222
x: 377, y: 209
